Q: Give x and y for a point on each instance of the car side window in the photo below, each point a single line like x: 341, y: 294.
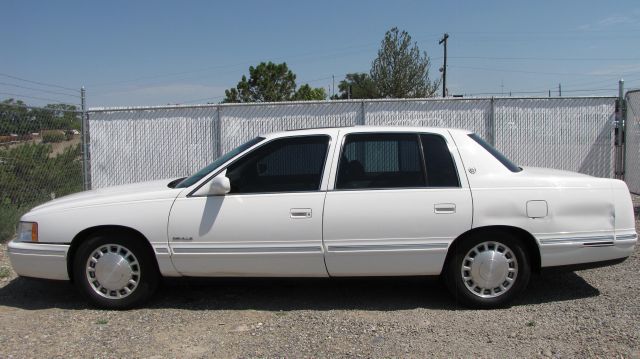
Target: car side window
x: 283, y: 165
x: 386, y: 160
x: 441, y: 170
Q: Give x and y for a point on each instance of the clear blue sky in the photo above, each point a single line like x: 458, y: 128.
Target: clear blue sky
x: 159, y: 52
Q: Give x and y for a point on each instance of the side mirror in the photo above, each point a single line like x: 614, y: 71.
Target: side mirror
x: 218, y: 186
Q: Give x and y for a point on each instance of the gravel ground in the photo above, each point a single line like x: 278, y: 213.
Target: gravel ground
x: 582, y: 314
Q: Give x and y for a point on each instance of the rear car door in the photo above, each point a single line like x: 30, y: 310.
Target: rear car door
x: 394, y: 205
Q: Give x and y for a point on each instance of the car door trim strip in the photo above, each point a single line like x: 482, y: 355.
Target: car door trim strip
x: 582, y: 240
x: 624, y: 237
x: 386, y: 247
x: 225, y: 250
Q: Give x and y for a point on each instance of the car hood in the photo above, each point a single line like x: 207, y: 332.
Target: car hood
x: 142, y: 191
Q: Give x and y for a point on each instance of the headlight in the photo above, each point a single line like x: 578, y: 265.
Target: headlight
x: 28, y: 232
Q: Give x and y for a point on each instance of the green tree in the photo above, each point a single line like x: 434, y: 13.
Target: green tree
x: 401, y: 70
x: 269, y: 82
x: 357, y: 86
x: 16, y: 117
x: 308, y: 93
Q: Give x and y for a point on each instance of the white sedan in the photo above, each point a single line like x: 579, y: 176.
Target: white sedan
x: 334, y: 202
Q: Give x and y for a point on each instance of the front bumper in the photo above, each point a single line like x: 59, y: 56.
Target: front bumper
x: 39, y: 260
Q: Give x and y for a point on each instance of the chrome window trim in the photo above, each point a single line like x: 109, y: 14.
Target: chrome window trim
x: 424, y: 164
x: 255, y: 148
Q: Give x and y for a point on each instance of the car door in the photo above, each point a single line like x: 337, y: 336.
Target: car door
x: 269, y: 224
x: 396, y: 204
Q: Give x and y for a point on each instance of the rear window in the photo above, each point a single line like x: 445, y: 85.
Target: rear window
x: 495, y: 153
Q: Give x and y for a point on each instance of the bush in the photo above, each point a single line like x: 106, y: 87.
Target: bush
x: 28, y: 177
x: 9, y: 217
x: 53, y: 136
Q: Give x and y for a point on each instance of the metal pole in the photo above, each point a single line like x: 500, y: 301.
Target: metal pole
x: 218, y: 137
x: 333, y: 84
x: 492, y: 122
x: 620, y: 132
x: 84, y: 148
x: 444, y: 68
x: 559, y: 90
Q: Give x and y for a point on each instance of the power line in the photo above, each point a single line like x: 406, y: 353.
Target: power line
x: 36, y: 89
x: 611, y: 79
x: 547, y: 58
x: 538, y: 92
x: 37, y: 98
x: 37, y: 82
x: 342, y: 52
x: 532, y: 72
x: 203, y: 99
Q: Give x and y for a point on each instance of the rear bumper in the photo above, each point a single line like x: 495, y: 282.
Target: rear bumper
x: 583, y: 266
x: 585, y: 251
x: 39, y: 260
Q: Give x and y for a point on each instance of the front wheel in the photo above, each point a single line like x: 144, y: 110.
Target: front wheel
x: 488, y: 271
x: 114, y: 271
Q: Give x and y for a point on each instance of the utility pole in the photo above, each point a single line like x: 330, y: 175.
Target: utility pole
x: 444, y: 67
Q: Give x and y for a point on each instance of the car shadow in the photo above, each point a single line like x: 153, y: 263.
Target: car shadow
x: 376, y: 294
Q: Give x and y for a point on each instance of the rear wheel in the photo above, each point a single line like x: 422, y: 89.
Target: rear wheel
x: 115, y: 271
x: 488, y: 270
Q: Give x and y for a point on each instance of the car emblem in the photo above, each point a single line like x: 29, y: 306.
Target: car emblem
x: 182, y: 238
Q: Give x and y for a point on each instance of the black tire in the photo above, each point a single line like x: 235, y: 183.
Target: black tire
x: 463, y: 294
x: 138, y: 257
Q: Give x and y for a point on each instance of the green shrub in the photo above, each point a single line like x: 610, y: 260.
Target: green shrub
x: 29, y: 177
x: 53, y: 137
x: 9, y: 217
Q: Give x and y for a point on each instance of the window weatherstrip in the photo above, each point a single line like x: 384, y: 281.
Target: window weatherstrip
x: 250, y: 150
x: 424, y: 160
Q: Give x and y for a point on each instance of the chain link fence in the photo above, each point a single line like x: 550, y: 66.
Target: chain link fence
x: 138, y: 144
x: 632, y: 142
x: 40, y: 158
x: 41, y: 147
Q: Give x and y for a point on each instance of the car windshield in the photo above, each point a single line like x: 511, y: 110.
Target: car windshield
x: 217, y: 163
x: 495, y: 153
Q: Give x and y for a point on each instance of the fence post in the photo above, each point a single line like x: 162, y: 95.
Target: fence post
x: 621, y: 128
x: 492, y: 122
x: 363, y: 119
x: 218, y: 137
x: 84, y: 127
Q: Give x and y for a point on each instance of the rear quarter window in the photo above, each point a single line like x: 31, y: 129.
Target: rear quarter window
x: 495, y: 153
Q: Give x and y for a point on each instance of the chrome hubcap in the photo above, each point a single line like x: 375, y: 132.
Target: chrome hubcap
x: 113, y: 271
x: 489, y: 269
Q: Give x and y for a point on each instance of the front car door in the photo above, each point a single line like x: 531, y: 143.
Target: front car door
x: 396, y: 201
x: 270, y: 224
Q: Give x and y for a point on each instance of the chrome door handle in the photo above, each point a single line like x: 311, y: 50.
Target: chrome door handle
x: 444, y: 208
x: 300, y: 213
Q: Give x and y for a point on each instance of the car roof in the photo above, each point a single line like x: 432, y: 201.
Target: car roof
x: 350, y: 129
